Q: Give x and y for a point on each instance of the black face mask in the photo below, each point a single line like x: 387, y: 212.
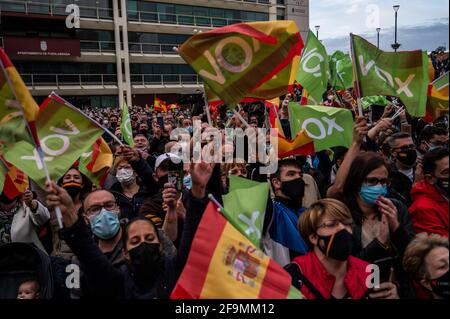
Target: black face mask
x: 294, y: 189
x: 407, y: 158
x: 145, y: 261
x: 442, y: 183
x: 338, y: 246
x: 72, y: 188
x: 113, y: 124
x: 145, y: 132
x: 440, y: 286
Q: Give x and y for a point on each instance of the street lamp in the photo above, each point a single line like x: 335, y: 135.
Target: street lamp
x: 396, y: 45
x: 378, y: 37
x: 317, y: 31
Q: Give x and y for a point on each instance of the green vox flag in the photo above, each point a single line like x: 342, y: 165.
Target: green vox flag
x: 64, y: 134
x: 3, y: 172
x: 245, y: 206
x: 401, y: 74
x: 327, y: 126
x: 125, y: 126
x: 314, y: 72
x: 367, y: 101
x: 236, y: 60
x: 341, y: 72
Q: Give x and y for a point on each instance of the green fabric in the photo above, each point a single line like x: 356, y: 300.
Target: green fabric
x: 125, y: 126
x: 327, y: 126
x: 402, y: 74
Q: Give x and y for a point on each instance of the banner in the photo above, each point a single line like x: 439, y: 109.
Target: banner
x: 236, y: 61
x: 341, y: 72
x: 313, y: 73
x: 402, y: 74
x: 327, y: 126
x: 64, y: 134
x: 223, y: 264
x: 125, y: 126
x: 246, y: 215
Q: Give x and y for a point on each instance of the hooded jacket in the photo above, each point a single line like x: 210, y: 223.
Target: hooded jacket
x: 429, y: 210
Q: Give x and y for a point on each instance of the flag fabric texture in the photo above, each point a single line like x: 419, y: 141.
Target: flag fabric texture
x: 159, y: 105
x: 255, y: 59
x: 17, y: 118
x: 246, y: 215
x: 64, y: 134
x: 13, y: 182
x: 400, y: 74
x: 438, y: 94
x: 125, y: 126
x: 314, y: 72
x: 224, y: 264
x: 367, y: 101
x: 327, y: 126
x: 341, y: 72
x: 96, y: 162
x: 301, y: 144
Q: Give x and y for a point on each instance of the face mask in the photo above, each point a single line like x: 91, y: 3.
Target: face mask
x: 370, y: 194
x: 330, y: 97
x: 125, y: 175
x: 187, y: 181
x: 440, y: 286
x: 72, y: 188
x: 190, y: 129
x: 145, y: 261
x: 105, y: 225
x: 143, y: 132
x: 337, y: 246
x: 113, y: 124
x: 442, y: 183
x: 407, y: 158
x: 294, y: 189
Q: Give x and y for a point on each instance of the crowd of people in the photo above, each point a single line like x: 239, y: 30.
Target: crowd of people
x: 382, y: 201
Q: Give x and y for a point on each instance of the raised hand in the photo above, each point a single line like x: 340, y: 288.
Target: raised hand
x: 200, y: 175
x: 360, y: 129
x: 58, y: 196
x: 388, y: 209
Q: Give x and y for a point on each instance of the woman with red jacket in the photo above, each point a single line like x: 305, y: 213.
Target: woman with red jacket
x: 328, y: 271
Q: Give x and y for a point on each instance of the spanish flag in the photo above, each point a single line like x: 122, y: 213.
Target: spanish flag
x: 224, y: 264
x: 96, y: 163
x: 160, y: 105
x: 13, y: 181
x: 438, y: 95
x: 302, y: 144
x: 12, y: 86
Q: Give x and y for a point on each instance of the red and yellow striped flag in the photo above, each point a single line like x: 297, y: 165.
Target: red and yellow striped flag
x: 10, y: 83
x: 224, y: 264
x: 96, y: 163
x: 15, y: 182
x: 160, y: 105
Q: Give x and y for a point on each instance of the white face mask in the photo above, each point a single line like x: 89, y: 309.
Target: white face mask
x: 125, y: 175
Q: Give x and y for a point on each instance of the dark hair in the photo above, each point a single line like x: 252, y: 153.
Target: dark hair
x: 391, y: 139
x: 87, y: 184
x: 283, y: 163
x: 362, y: 165
x: 431, y: 157
x: 429, y: 131
x: 127, y: 226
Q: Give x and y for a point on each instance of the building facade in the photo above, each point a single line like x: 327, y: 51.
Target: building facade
x: 121, y: 50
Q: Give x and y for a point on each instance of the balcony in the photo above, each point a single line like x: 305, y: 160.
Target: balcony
x: 98, y: 46
x: 152, y: 48
x: 61, y: 81
x: 54, y: 9
x: 165, y: 79
x: 180, y: 19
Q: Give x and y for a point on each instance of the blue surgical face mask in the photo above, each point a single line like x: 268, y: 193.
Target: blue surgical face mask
x: 105, y: 225
x: 370, y: 194
x: 190, y: 129
x: 187, y: 182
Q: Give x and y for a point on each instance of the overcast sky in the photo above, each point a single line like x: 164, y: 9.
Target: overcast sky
x: 421, y: 24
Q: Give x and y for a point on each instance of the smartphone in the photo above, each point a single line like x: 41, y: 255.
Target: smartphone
x: 176, y: 178
x: 160, y: 122
x: 385, y: 265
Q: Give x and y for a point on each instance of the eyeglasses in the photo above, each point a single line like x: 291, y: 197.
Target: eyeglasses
x: 332, y: 224
x: 95, y: 209
x: 405, y: 148
x: 372, y: 181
